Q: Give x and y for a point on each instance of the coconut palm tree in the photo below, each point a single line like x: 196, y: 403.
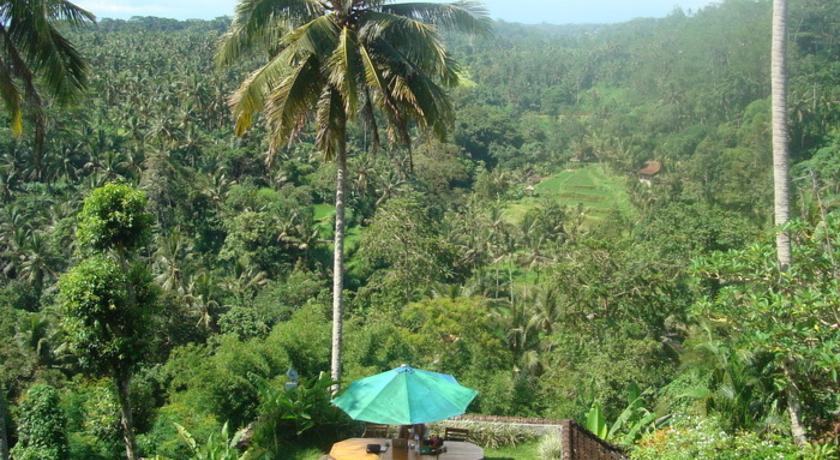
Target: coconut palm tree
x: 34, y: 55
x: 342, y: 60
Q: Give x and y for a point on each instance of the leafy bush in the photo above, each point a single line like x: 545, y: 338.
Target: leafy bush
x: 114, y: 217
x: 690, y: 438
x: 243, y: 322
x: 224, y: 381
x: 221, y: 447
x: 100, y: 291
x: 629, y: 424
x: 300, y: 415
x: 42, y: 426
x: 163, y: 438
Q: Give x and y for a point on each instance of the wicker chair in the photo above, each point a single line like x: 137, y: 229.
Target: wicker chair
x: 373, y: 430
x: 456, y: 434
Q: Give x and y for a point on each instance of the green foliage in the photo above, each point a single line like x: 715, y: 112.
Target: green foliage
x: 223, y: 447
x: 51, y: 65
x: 163, y: 437
x: 781, y: 316
x: 289, y: 417
x: 595, y: 422
x: 702, y: 438
x: 252, y: 242
x: 106, y: 311
x: 243, y: 322
x: 628, y: 425
x: 405, y: 249
x: 41, y: 427
x: 114, y: 217
x: 455, y: 336
x: 304, y: 338
x: 223, y: 381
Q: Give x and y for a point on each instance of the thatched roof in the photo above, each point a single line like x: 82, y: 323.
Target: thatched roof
x: 652, y: 168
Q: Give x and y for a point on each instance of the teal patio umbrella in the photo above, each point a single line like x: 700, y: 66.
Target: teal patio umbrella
x: 405, y: 396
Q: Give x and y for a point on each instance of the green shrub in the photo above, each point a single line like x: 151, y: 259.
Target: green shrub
x: 297, y: 416
x: 218, y: 446
x: 696, y: 438
x: 223, y: 381
x: 114, y: 217
x: 41, y: 427
x: 163, y: 438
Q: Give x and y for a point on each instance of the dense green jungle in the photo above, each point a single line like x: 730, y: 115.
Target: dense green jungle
x: 527, y: 252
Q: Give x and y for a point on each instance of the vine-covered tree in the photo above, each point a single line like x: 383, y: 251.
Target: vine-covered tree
x: 340, y: 60
x: 108, y: 298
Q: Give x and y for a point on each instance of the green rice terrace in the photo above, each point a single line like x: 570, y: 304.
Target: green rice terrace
x: 598, y: 191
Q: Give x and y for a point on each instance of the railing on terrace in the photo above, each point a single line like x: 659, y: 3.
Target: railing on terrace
x: 578, y: 443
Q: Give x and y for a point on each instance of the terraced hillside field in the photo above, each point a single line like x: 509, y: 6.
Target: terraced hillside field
x: 593, y: 186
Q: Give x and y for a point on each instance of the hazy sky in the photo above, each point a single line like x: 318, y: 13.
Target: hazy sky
x: 528, y: 11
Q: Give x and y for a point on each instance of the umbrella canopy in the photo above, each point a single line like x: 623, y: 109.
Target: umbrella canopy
x: 405, y: 396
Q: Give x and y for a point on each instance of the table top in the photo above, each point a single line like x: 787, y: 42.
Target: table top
x: 355, y: 449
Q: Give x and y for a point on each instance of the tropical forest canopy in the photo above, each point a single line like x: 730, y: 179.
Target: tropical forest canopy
x: 521, y: 254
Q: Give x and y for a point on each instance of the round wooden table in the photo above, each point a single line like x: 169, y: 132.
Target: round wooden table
x: 356, y: 449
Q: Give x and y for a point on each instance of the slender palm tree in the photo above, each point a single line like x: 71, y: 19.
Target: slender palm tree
x: 34, y: 56
x: 342, y: 60
x: 781, y: 182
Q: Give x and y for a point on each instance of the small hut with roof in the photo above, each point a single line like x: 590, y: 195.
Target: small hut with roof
x: 651, y: 169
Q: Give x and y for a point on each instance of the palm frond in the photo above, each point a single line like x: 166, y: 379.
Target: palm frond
x: 64, y: 10
x: 256, y: 21
x: 250, y: 98
x: 462, y: 16
x: 346, y: 70
x: 418, y: 44
x: 290, y: 102
x: 415, y: 90
x: 383, y: 98
x: 318, y: 37
x: 369, y: 118
x: 11, y: 98
x: 331, y: 121
x: 46, y: 51
x: 238, y: 41
x: 418, y: 41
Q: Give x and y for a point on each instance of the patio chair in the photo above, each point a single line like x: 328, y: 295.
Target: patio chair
x: 456, y: 434
x: 420, y: 430
x: 373, y: 430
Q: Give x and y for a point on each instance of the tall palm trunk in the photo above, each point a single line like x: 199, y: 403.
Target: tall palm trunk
x: 780, y: 130
x: 4, y: 440
x: 126, y: 418
x: 778, y: 75
x: 338, y: 261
